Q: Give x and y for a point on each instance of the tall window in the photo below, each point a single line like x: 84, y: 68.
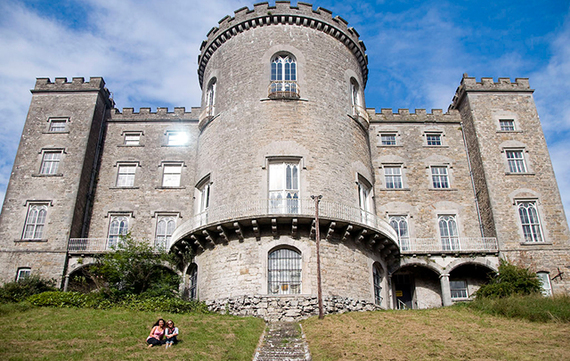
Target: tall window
x: 35, y: 221
x: 211, y: 97
x: 283, y: 75
x: 365, y: 200
x: 439, y: 177
x: 164, y: 229
x: 203, y: 195
x: 284, y: 187
x: 50, y: 162
x: 377, y: 277
x: 284, y: 271
x: 171, y: 175
x: 354, y: 96
x: 393, y: 176
x: 507, y: 125
x: 400, y: 225
x: 544, y: 278
x: 57, y: 125
x: 23, y: 273
x: 515, y: 158
x: 458, y: 289
x: 193, y: 282
x: 118, y: 227
x: 126, y: 175
x: 448, y: 233
x: 530, y: 221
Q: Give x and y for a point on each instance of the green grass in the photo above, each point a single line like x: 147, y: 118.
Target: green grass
x: 85, y: 334
x: 532, y: 308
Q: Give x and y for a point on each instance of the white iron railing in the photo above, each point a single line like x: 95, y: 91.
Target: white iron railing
x: 95, y: 245
x: 451, y: 245
x: 288, y: 89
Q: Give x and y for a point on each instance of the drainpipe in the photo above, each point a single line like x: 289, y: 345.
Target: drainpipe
x: 472, y: 182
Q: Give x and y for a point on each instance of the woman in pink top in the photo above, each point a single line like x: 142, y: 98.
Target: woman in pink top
x: 155, y: 337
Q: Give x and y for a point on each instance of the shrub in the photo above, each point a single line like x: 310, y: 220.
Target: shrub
x: 531, y: 307
x: 19, y: 291
x: 59, y: 299
x: 511, y: 280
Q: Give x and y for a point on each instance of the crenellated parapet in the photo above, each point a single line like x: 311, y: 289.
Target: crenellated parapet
x: 77, y: 84
x: 470, y: 84
x: 161, y: 114
x: 283, y: 12
x: 420, y: 115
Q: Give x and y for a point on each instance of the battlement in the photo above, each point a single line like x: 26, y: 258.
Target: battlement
x: 161, y: 114
x: 76, y: 84
x: 470, y: 84
x: 420, y: 115
x: 283, y: 12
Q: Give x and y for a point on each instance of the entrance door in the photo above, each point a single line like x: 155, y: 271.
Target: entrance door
x: 403, y: 288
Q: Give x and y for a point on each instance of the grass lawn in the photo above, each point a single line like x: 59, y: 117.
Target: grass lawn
x: 86, y: 334
x: 456, y: 333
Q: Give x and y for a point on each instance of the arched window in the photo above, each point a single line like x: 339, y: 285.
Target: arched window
x: 400, y: 225
x: 284, y: 271
x: 377, y: 276
x: 119, y: 227
x: 448, y: 233
x: 164, y: 229
x: 193, y: 282
x: 284, y: 186
x: 35, y: 222
x: 355, y: 96
x: 211, y: 97
x: 530, y: 222
x: 283, y: 77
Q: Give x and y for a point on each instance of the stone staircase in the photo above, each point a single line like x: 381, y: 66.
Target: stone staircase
x: 283, y: 341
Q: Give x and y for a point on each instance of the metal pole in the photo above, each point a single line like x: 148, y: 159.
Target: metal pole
x: 318, y: 239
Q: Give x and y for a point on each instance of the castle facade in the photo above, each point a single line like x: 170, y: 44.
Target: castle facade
x: 417, y: 208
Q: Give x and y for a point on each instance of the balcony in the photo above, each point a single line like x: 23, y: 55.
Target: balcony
x: 100, y: 245
x: 455, y: 245
x: 360, y: 112
x: 283, y: 89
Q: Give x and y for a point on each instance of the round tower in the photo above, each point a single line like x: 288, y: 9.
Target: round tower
x: 283, y: 118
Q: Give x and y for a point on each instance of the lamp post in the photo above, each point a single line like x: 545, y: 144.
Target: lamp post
x: 317, y: 199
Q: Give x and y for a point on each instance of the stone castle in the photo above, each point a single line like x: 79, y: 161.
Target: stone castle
x: 417, y: 208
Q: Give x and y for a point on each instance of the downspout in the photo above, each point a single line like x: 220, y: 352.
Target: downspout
x: 472, y: 182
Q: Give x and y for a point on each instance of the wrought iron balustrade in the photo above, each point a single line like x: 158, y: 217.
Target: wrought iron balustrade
x: 286, y: 89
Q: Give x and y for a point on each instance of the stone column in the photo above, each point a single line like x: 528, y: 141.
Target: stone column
x: 65, y: 283
x: 445, y: 290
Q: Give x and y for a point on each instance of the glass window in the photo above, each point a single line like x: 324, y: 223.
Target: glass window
x: 211, y: 97
x: 132, y: 138
x: 284, y: 187
x: 164, y: 228
x: 176, y: 138
x: 23, y: 273
x: 388, y: 139
x: 377, y: 276
x: 204, y: 199
x: 400, y: 225
x: 126, y: 175
x: 171, y: 175
x: 284, y: 272
x: 515, y: 158
x: 439, y: 177
x: 283, y: 75
x: 433, y: 139
x: 544, y: 278
x: 57, y: 125
x: 118, y: 227
x: 448, y: 233
x: 50, y: 162
x: 393, y: 177
x: 530, y: 222
x: 35, y: 221
x: 507, y: 125
x: 458, y: 289
x: 193, y: 282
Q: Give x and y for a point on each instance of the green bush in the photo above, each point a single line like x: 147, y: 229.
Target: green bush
x: 162, y: 304
x: 511, y: 280
x: 59, y: 299
x: 531, y: 307
x: 19, y: 291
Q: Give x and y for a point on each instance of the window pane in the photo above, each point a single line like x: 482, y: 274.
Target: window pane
x: 516, y: 162
x: 439, y: 177
x: 57, y: 125
x: 171, y: 176
x: 393, y: 177
x: 433, y: 139
x: 126, y: 176
x: 507, y: 124
x: 35, y: 221
x: 388, y: 139
x: 132, y: 139
x: 284, y: 272
x: 50, y: 162
x: 530, y: 222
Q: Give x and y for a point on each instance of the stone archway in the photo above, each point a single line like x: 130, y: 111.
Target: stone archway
x: 416, y: 286
x: 465, y: 279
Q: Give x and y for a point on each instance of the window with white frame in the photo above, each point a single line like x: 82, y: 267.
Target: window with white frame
x: 57, y: 125
x: 284, y: 271
x: 126, y: 175
x: 284, y: 75
x: 515, y: 159
x: 388, y: 139
x: 35, y: 221
x: 132, y: 139
x: 118, y: 227
x: 530, y: 221
x: 171, y: 175
x: 211, y: 97
x: 193, y: 282
x: 176, y: 138
x: 439, y: 177
x: 400, y: 225
x: 23, y: 273
x: 393, y: 177
x: 50, y: 161
x: 284, y: 186
x: 377, y: 278
x: 433, y: 139
x: 203, y: 195
x: 165, y: 226
x: 544, y: 278
x: 448, y: 233
x: 355, y: 100
x: 365, y: 200
x: 507, y: 125
x: 458, y: 289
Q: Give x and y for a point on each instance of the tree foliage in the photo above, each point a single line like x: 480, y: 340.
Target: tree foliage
x: 19, y: 291
x: 511, y: 280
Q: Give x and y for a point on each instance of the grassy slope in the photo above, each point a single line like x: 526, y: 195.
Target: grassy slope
x: 85, y: 334
x: 436, y: 334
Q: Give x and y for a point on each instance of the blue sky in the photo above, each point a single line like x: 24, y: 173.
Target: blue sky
x: 418, y: 50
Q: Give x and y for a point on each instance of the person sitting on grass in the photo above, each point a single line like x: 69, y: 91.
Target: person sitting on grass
x: 170, y: 333
x: 155, y: 337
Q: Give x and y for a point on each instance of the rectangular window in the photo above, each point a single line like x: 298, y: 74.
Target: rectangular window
x: 164, y: 228
x: 365, y: 201
x: 433, y: 139
x: 176, y: 138
x: 23, y: 273
x: 118, y: 227
x: 400, y: 225
x: 507, y: 125
x: 126, y: 175
x: 132, y: 138
x: 388, y: 139
x: 458, y: 289
x: 171, y: 175
x: 530, y: 221
x: 50, y: 162
x: 57, y: 125
x: 35, y: 221
x: 393, y: 177
x: 544, y: 278
x: 284, y: 187
x: 440, y: 178
x: 515, y: 158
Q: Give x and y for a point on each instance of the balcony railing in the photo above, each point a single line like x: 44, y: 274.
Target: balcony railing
x: 97, y: 245
x: 283, y: 89
x: 448, y: 245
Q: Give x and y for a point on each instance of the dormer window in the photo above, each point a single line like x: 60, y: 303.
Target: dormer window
x: 283, y: 77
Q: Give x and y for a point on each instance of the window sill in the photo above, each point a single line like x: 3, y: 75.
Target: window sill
x: 163, y: 187
x: 130, y: 146
x: 31, y: 240
x: 510, y: 131
x: 294, y: 99
x: 47, y: 175
x: 389, y: 146
x: 536, y: 243
x: 443, y: 189
x: 519, y: 173
x: 64, y: 132
x: 396, y: 189
x: 435, y: 146
x: 123, y: 187
x: 175, y: 145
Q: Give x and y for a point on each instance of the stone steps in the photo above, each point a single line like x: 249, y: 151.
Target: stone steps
x: 283, y: 341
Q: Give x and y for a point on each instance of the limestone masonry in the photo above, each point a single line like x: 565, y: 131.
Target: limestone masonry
x: 417, y: 208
